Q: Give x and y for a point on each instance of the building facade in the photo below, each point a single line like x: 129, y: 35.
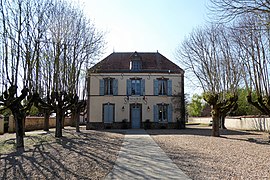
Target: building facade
x: 135, y: 90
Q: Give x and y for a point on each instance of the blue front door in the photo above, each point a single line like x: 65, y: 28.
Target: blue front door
x: 136, y: 116
x: 108, y: 113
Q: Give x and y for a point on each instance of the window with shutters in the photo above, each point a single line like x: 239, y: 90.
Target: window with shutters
x: 135, y: 87
x: 163, y: 112
x: 162, y: 87
x: 108, y: 86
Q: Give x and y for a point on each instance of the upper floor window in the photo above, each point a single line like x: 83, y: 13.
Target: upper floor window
x: 108, y: 86
x: 135, y: 86
x: 162, y: 87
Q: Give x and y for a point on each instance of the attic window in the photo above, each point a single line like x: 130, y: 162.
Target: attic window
x: 136, y: 65
x: 135, y: 62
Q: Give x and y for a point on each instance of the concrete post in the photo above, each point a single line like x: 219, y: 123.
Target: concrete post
x: 11, y: 124
x: 2, y: 120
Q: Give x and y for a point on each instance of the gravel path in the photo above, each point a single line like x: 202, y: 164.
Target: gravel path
x: 85, y: 155
x: 235, y: 155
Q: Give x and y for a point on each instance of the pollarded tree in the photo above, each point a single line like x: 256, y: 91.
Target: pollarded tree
x: 19, y: 55
x: 253, y: 41
x: 245, y: 108
x: 207, y: 53
x: 72, y: 44
x: 87, y: 44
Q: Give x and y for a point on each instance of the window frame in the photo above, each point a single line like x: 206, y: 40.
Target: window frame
x: 162, y: 86
x: 136, y: 65
x: 163, y: 113
x: 168, y: 118
x: 136, y: 87
x: 108, y: 86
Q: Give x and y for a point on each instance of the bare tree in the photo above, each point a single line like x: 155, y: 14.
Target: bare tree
x: 230, y: 9
x: 73, y: 42
x: 253, y: 40
x: 208, y: 54
x: 251, y: 35
x: 19, y: 56
x: 45, y: 46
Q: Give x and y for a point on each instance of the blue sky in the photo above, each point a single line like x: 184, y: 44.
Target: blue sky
x: 146, y: 25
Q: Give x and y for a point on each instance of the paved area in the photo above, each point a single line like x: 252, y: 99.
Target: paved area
x: 141, y: 158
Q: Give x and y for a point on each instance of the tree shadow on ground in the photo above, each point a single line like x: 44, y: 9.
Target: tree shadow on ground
x: 249, y: 136
x: 84, y: 155
x: 197, y: 130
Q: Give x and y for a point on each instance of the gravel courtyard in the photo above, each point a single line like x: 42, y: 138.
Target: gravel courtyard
x: 84, y: 155
x: 91, y: 154
x: 235, y: 155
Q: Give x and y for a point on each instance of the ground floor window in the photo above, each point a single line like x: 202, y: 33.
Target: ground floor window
x: 108, y: 113
x: 163, y: 112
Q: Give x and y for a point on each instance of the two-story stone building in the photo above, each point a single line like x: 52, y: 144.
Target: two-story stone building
x: 135, y: 90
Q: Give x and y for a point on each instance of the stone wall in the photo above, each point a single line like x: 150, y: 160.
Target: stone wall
x: 35, y: 123
x: 243, y: 123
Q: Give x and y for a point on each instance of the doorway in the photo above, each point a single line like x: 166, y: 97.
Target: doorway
x: 136, y: 115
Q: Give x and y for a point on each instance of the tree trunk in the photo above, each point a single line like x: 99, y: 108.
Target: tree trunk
x: 59, y: 119
x: 222, y: 122
x: 77, y: 116
x: 215, y: 124
x: 73, y: 119
x: 23, y: 127
x: 63, y: 121
x: 46, y: 121
x: 19, y: 118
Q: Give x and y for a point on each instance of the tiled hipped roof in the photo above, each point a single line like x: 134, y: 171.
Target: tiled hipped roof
x: 151, y: 62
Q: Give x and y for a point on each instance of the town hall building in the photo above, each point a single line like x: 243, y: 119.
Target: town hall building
x: 135, y: 90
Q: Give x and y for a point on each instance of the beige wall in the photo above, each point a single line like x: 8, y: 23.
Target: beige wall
x: 96, y: 101
x: 35, y: 123
x: 244, y: 123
